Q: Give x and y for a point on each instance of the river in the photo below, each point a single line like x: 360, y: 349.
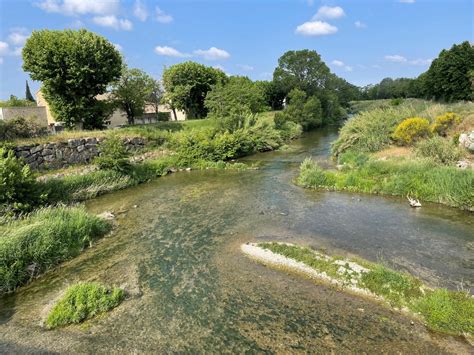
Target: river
x: 175, y: 248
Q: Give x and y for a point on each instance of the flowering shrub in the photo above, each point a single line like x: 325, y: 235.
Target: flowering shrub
x: 411, y: 129
x: 444, y: 122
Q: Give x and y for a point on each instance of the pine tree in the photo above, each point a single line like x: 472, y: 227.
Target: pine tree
x: 28, y: 95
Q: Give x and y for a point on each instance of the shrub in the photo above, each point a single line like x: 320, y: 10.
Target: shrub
x: 18, y: 188
x: 113, y: 155
x: 83, y: 301
x: 302, y: 110
x: 21, y: 127
x: 163, y: 116
x: 32, y: 245
x: 311, y: 175
x: 444, y: 122
x: 440, y: 150
x: 370, y: 131
x: 411, y: 130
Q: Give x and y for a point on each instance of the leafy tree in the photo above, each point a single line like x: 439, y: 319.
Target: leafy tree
x: 302, y: 69
x: 155, y: 96
x: 28, y: 95
x: 186, y: 85
x: 448, y: 77
x: 238, y: 95
x: 75, y: 67
x: 302, y: 110
x: 273, y: 94
x: 132, y: 91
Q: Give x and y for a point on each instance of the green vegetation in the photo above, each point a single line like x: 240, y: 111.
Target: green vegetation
x: 16, y: 102
x: 446, y: 311
x: 440, y: 150
x: 132, y: 91
x: 186, y: 85
x: 37, y: 242
x: 19, y: 191
x: 71, y: 90
x: 449, y: 78
x: 113, y: 155
x: 83, y: 301
x: 424, y: 180
x: 20, y: 127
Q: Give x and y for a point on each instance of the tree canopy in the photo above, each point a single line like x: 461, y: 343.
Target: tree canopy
x: 74, y: 67
x: 187, y: 84
x: 301, y: 109
x: 132, y: 91
x: 237, y: 95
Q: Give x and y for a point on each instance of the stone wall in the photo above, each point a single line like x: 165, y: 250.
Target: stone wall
x: 63, y: 154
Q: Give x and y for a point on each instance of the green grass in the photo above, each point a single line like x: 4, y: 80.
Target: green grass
x: 424, y: 180
x: 443, y: 310
x: 33, y: 244
x: 83, y: 301
x: 370, y: 130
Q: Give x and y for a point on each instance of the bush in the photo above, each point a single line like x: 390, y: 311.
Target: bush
x: 83, y: 301
x: 32, y: 245
x: 163, y: 116
x: 21, y: 127
x: 311, y: 175
x: 18, y: 188
x: 444, y: 122
x: 304, y: 111
x: 370, y: 131
x: 411, y: 129
x: 440, y: 150
x: 113, y: 155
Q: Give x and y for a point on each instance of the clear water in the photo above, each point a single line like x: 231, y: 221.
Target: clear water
x: 177, y: 253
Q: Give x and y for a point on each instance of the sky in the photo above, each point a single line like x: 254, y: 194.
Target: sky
x: 362, y: 41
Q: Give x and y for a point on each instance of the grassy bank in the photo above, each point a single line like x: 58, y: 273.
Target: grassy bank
x: 83, y: 301
x: 450, y: 312
x: 399, y: 177
x: 37, y: 242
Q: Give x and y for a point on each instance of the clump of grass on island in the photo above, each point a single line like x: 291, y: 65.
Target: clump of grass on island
x: 451, y: 312
x: 39, y: 241
x: 83, y: 301
x: 421, y: 179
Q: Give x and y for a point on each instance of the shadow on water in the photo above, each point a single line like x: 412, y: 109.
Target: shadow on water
x: 191, y: 290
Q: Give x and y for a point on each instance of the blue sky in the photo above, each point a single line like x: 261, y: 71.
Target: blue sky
x: 362, y: 41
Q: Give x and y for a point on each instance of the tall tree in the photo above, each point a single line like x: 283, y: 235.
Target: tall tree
x: 186, y: 85
x: 28, y: 95
x: 302, y: 69
x: 155, y: 96
x: 132, y: 91
x: 74, y: 67
x: 448, y: 77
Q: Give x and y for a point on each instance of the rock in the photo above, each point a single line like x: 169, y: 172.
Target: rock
x: 188, y: 169
x: 47, y: 151
x: 36, y: 149
x: 80, y: 148
x: 107, y: 215
x: 91, y: 141
x: 466, y: 140
x: 48, y: 158
x: 462, y: 164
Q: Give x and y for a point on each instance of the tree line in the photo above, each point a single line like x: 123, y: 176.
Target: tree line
x: 76, y: 67
x: 450, y: 77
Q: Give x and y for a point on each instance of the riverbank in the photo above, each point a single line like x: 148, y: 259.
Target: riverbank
x: 430, y: 165
x: 450, y: 312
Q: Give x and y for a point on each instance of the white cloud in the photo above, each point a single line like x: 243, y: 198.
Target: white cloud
x: 420, y: 61
x: 245, y: 67
x: 348, y: 68
x: 140, y: 11
x: 316, y: 28
x: 113, y: 22
x: 337, y: 63
x: 169, y: 52
x: 212, y: 53
x: 4, y: 48
x: 360, y: 24
x: 396, y: 58
x: 18, y: 36
x: 80, y: 7
x: 328, y: 12
x: 162, y: 17
x: 407, y: 1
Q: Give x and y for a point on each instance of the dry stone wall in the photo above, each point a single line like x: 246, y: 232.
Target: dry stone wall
x: 63, y: 154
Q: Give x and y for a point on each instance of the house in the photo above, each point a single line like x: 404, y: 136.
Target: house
x: 118, y: 117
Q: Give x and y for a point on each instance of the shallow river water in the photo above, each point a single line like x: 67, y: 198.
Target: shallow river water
x: 176, y: 250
